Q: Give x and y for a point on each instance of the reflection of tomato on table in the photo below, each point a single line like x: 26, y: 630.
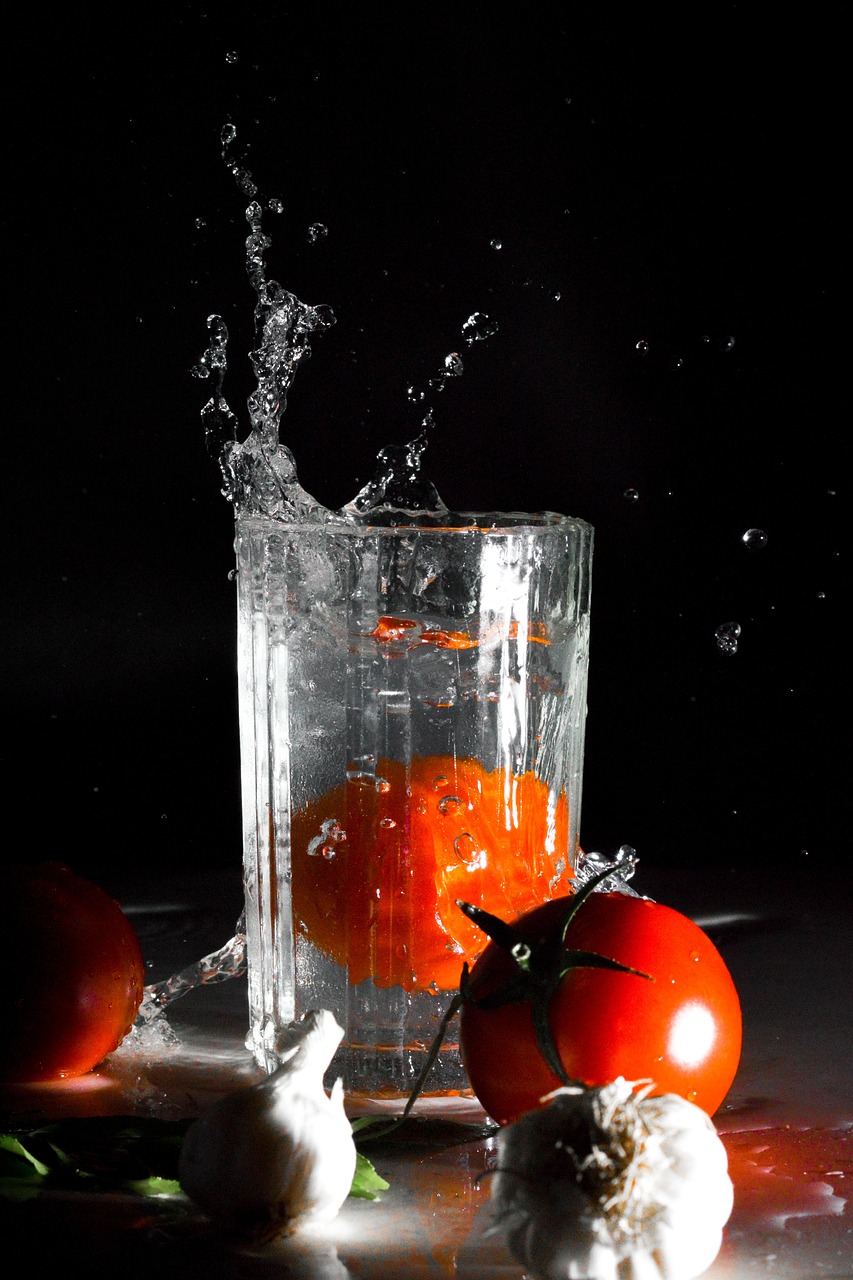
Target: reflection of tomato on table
x: 380, y: 861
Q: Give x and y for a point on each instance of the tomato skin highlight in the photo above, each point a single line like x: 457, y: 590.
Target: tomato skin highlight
x: 78, y: 979
x: 682, y: 1029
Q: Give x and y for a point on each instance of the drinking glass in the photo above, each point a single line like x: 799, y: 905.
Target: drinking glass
x: 412, y: 698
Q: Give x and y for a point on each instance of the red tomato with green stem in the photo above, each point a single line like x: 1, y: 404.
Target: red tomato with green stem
x: 591, y: 987
x: 74, y: 977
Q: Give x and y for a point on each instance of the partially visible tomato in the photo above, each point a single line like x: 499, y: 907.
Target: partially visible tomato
x: 680, y: 1027
x: 73, y: 974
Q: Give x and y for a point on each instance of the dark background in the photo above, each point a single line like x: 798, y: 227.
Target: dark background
x: 676, y: 181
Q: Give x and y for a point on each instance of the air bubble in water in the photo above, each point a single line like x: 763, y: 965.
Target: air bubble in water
x: 642, y: 346
x: 496, y: 244
x: 755, y: 538
x: 316, y: 232
x: 453, y: 366
x: 200, y: 222
x: 631, y: 495
x: 727, y: 343
x: 231, y: 56
x: 727, y: 637
x: 275, y: 205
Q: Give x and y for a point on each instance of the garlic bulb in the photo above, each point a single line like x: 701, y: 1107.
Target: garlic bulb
x: 609, y: 1184
x: 268, y: 1158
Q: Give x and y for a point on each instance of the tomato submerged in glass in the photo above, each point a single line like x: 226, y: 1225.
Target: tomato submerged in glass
x: 380, y: 861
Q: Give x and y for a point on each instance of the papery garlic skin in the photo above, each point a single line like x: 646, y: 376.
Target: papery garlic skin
x: 267, y: 1159
x: 608, y: 1184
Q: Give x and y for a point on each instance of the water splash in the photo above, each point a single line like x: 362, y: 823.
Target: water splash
x: 623, y: 865
x: 228, y: 961
x: 398, y: 484
x: 259, y: 472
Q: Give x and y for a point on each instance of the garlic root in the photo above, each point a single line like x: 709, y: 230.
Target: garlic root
x: 269, y: 1158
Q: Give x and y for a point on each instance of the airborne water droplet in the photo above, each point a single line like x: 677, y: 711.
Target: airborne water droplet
x: 727, y: 637
x: 478, y: 326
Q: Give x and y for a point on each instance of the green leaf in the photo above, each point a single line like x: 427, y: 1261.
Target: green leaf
x: 137, y: 1156
x: 154, y: 1186
x: 12, y: 1146
x: 366, y: 1183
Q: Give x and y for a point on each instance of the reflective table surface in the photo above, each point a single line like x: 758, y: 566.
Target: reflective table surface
x: 786, y: 1123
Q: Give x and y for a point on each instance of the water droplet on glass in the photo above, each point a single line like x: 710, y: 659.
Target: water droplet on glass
x: 331, y: 834
x: 478, y: 326
x: 631, y: 495
x: 387, y: 823
x: 316, y: 232
x: 642, y: 346
x: 727, y: 637
x: 755, y: 538
x: 449, y: 804
x: 438, y: 782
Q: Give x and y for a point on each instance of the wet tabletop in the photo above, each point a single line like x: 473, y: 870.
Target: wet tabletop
x: 786, y: 1123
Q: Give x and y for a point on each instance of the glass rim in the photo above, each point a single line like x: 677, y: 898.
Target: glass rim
x: 402, y: 523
